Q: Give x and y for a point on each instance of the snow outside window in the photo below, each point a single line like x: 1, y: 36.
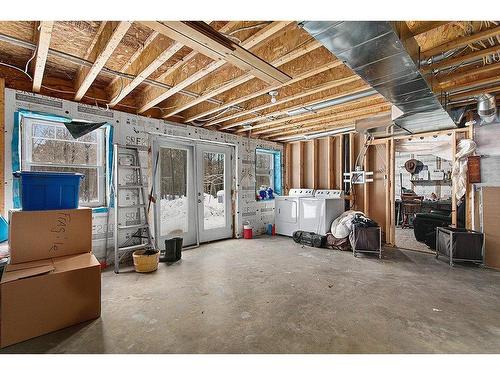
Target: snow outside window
x: 48, y: 146
x: 264, y: 170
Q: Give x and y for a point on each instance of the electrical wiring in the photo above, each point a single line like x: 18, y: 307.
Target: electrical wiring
x: 62, y: 91
x: 31, y: 59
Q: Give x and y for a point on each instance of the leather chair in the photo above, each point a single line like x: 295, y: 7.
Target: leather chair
x: 425, y: 224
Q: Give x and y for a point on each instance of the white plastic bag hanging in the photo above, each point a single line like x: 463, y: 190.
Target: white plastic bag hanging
x: 465, y: 148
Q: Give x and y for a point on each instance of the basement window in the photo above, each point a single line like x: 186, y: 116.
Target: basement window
x: 48, y: 146
x: 267, y: 172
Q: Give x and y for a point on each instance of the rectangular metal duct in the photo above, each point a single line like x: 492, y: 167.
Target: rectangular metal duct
x: 374, y: 51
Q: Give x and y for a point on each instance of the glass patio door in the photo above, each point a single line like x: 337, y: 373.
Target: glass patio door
x: 214, y: 192
x: 176, y: 193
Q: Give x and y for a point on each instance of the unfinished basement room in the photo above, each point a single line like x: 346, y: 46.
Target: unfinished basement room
x: 249, y: 186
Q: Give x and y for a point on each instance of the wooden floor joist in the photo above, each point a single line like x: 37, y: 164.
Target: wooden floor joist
x: 326, y: 122
x: 154, y: 96
x: 42, y: 49
x: 269, y: 126
x: 301, y: 94
x: 326, y: 86
x: 265, y: 91
x: 234, y: 83
x: 452, y: 79
x: 461, y: 42
x: 109, y: 39
x: 456, y: 61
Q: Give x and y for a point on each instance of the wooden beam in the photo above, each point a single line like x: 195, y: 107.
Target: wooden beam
x: 452, y: 79
x: 314, y: 90
x: 392, y: 173
x: 269, y: 126
x: 328, y: 122
x: 331, y: 162
x: 150, y: 59
x: 42, y: 50
x: 301, y: 164
x: 247, y: 77
x: 155, y: 95
x: 288, y: 167
x: 340, y: 139
x: 447, y: 63
x: 136, y: 55
x: 461, y: 42
x: 315, y: 163
x: 472, y: 93
x: 473, y: 83
x: 109, y: 39
x: 2, y: 146
x: 200, y: 37
x: 453, y: 186
x: 366, y: 190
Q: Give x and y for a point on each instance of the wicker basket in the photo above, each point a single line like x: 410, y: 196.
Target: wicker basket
x: 145, y: 263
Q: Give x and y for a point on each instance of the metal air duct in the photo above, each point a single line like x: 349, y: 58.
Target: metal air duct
x: 486, y: 107
x: 379, y: 52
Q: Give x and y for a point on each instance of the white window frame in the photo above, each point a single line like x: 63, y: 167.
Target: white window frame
x: 27, y: 162
x: 263, y: 172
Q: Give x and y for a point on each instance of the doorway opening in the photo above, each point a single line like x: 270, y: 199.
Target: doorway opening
x: 193, y: 184
x: 423, y: 190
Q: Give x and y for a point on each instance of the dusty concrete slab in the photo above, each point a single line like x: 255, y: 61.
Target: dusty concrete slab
x: 270, y: 295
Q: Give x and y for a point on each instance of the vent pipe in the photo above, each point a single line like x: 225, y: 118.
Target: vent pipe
x: 486, y: 107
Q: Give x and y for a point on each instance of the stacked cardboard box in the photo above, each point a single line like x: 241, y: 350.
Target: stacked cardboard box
x: 53, y: 280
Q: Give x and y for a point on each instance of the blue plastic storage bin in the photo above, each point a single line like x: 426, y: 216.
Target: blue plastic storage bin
x: 49, y: 190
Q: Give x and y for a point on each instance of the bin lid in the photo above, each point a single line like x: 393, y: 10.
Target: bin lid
x: 46, y: 174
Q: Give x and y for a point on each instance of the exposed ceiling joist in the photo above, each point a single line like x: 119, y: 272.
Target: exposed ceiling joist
x: 109, y: 39
x: 269, y: 125
x: 314, y: 90
x: 473, y: 83
x: 451, y: 79
x: 150, y: 59
x: 476, y: 55
x: 461, y: 42
x: 327, y: 122
x: 137, y: 54
x: 200, y: 37
x: 314, y: 118
x: 153, y: 97
x: 247, y: 77
x: 42, y: 50
x: 472, y: 93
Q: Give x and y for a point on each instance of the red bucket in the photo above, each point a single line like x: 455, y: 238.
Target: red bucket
x: 247, y: 232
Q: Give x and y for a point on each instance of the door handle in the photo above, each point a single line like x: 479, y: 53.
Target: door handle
x: 199, y: 200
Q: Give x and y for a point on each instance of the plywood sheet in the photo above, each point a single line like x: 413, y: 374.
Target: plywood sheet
x: 491, y: 220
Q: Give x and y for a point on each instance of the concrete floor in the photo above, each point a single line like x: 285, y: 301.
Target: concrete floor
x: 405, y: 238
x: 270, y: 295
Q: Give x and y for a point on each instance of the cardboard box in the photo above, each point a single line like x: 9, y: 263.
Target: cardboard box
x: 35, y: 235
x: 47, y: 295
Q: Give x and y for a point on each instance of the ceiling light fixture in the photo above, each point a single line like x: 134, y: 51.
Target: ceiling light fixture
x: 273, y: 95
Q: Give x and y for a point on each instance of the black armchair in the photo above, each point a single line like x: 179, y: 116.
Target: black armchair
x: 425, y: 224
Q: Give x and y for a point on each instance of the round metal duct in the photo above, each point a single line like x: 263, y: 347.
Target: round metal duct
x: 486, y: 107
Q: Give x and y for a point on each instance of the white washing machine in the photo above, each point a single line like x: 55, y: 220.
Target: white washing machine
x: 317, y: 213
x: 287, y: 210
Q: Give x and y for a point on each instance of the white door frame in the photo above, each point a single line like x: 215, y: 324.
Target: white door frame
x: 213, y: 234
x: 197, y: 147
x: 191, y: 237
